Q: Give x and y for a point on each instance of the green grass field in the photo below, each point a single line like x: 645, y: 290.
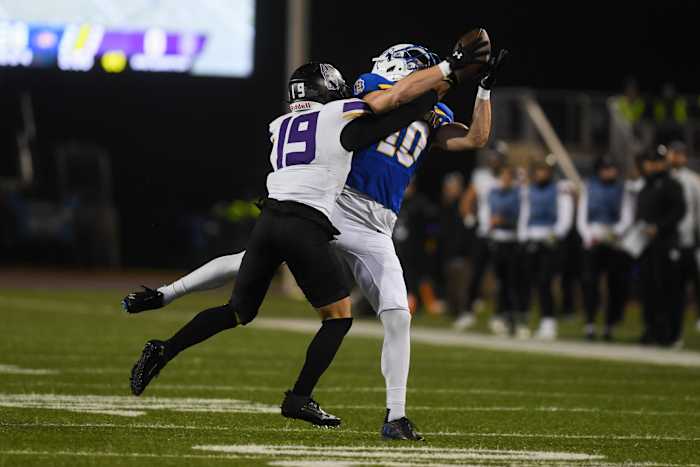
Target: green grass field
x: 64, y: 397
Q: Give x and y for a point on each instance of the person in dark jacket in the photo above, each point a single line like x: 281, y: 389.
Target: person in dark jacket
x: 410, y: 238
x: 452, y: 244
x: 660, y: 209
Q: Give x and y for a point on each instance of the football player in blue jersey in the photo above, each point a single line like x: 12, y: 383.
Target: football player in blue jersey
x: 366, y: 210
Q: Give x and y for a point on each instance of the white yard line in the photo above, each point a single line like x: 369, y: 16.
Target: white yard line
x: 126, y: 406
x: 133, y: 407
x: 460, y: 408
x: 436, y: 434
x: 408, y: 454
x: 353, y: 389
x: 440, y: 337
x: 29, y: 452
x: 16, y: 370
x: 305, y: 462
x: 147, y: 426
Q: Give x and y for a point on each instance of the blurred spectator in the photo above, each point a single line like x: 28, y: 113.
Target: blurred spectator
x: 677, y: 157
x: 605, y: 211
x: 410, y: 238
x: 660, y: 209
x: 670, y: 114
x: 570, y: 278
x: 476, y: 211
x: 452, y: 243
x: 545, y: 220
x: 504, y: 211
x: 630, y: 104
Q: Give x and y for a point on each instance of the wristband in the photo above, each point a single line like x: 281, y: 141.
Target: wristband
x: 445, y: 68
x: 484, y: 94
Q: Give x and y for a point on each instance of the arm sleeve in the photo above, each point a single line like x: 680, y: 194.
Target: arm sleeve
x: 367, y: 130
x: 565, y: 213
x: 626, y: 213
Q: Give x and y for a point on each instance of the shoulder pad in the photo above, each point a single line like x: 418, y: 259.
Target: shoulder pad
x: 369, y: 82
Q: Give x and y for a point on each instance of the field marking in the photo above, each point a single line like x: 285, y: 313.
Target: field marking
x: 302, y: 463
x: 460, y: 408
x: 29, y: 452
x: 379, y: 454
x: 447, y: 434
x: 16, y: 370
x: 372, y: 389
x: 149, y: 426
x: 126, y: 406
x: 448, y: 338
x: 426, y: 335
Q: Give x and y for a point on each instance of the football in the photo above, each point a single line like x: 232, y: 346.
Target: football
x: 472, y: 37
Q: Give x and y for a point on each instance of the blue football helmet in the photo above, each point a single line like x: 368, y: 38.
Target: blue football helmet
x: 401, y: 60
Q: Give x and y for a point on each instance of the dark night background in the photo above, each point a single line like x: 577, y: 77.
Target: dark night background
x: 179, y: 144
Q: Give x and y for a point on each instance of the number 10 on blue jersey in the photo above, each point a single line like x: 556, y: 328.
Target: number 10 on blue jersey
x: 406, y: 145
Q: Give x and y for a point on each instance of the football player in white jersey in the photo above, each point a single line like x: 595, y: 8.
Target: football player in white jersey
x: 366, y: 246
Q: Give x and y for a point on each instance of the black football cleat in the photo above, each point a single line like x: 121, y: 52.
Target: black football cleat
x: 148, y: 366
x: 401, y: 429
x: 148, y: 299
x: 307, y: 409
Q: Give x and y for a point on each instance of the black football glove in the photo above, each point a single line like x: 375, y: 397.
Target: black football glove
x: 468, y: 55
x: 494, y: 64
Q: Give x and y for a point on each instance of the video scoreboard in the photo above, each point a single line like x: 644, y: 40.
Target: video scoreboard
x: 203, y: 37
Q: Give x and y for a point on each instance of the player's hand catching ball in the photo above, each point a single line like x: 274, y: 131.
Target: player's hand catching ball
x: 469, y: 58
x: 495, y: 63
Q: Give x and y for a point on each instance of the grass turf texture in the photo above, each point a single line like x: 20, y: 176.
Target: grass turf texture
x: 474, y: 405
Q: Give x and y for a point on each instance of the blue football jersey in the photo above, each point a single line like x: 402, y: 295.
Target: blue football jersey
x: 383, y: 170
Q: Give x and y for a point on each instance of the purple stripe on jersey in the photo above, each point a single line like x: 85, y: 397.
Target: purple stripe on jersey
x: 281, y: 140
x: 355, y: 105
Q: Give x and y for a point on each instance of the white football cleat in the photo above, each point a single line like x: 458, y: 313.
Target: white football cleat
x: 464, y: 321
x: 547, y: 330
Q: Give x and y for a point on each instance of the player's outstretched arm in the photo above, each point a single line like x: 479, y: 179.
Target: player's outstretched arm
x: 459, y: 137
x: 371, y: 128
x: 437, y: 78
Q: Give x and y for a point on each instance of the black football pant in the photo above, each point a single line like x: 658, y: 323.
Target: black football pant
x: 507, y: 262
x: 660, y: 274
x: 479, y: 263
x: 541, y: 265
x: 598, y: 261
x: 570, y: 264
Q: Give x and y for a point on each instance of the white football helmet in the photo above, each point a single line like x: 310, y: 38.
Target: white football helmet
x: 401, y: 60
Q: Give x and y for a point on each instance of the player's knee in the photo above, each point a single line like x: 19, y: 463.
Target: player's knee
x: 336, y: 310
x: 396, y: 321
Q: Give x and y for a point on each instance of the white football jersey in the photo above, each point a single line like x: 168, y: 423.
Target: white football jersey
x: 310, y: 165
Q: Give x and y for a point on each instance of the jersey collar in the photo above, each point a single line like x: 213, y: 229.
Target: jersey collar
x: 304, y: 105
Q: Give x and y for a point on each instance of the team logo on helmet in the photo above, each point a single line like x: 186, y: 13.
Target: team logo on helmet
x: 334, y: 80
